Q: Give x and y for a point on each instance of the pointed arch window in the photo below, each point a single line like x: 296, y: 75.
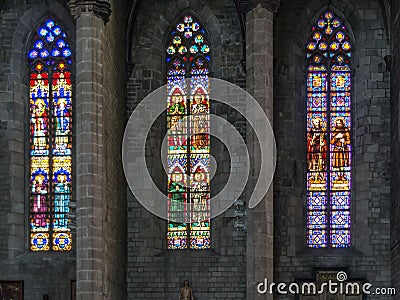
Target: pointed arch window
x: 329, y: 147
x: 188, y: 56
x: 50, y: 118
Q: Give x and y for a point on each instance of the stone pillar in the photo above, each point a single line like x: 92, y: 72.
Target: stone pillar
x: 259, y: 75
x: 90, y: 18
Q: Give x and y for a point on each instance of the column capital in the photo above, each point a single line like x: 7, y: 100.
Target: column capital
x: 271, y: 5
x: 100, y: 8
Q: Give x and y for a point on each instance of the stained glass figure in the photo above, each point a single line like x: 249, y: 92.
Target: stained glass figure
x: 50, y: 99
x: 328, y: 134
x: 188, y: 126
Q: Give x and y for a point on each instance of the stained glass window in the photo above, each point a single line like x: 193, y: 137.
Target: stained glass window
x: 329, y: 134
x: 188, y: 55
x: 50, y: 117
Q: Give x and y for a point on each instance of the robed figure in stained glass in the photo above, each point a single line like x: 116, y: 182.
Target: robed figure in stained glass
x: 62, y: 198
x: 200, y: 188
x: 176, y: 125
x: 200, y: 180
x: 177, y: 196
x: 39, y: 114
x: 39, y: 122
x: 176, y: 131
x: 316, y: 146
x: 61, y: 111
x: 177, y: 105
x: 340, y: 141
x: 39, y: 191
x: 200, y: 129
x: 199, y: 208
x: 199, y: 103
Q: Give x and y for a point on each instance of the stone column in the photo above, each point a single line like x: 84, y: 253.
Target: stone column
x: 259, y: 82
x: 90, y: 16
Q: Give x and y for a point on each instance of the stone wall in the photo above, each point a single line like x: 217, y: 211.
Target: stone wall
x: 395, y: 143
x: 369, y: 255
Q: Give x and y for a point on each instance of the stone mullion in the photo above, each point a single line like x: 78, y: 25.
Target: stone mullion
x: 89, y: 148
x: 259, y: 65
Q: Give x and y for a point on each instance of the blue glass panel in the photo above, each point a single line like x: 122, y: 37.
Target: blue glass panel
x: 50, y: 38
x: 43, y: 31
x: 33, y: 54
x: 39, y: 44
x: 57, y: 31
x: 55, y: 52
x: 66, y: 52
x: 44, y: 53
